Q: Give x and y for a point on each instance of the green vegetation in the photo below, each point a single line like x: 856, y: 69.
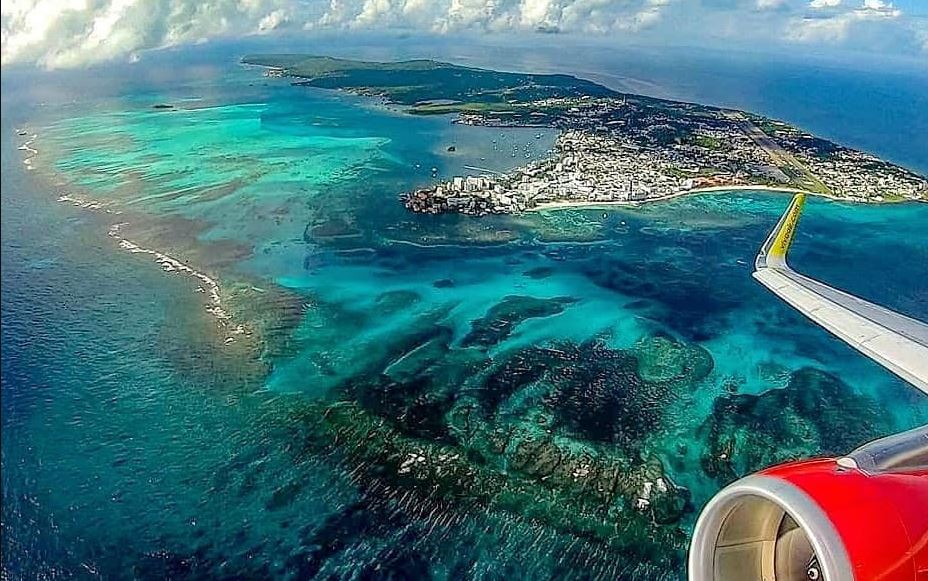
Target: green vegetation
x: 415, y: 81
x: 709, y: 142
x: 767, y: 126
x: 800, y: 175
x: 444, y: 108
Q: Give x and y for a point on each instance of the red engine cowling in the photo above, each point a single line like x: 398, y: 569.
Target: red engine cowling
x: 862, y: 517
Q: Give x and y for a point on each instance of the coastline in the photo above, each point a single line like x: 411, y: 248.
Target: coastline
x: 566, y: 205
x: 853, y: 176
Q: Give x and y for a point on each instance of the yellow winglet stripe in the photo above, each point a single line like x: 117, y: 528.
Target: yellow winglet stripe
x: 787, y: 230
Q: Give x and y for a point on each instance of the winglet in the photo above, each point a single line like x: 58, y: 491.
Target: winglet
x: 773, y: 252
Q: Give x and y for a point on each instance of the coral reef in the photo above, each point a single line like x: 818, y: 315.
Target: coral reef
x: 814, y: 414
x: 547, y: 436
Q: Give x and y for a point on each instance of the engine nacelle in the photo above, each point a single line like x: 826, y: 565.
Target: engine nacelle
x: 862, y: 517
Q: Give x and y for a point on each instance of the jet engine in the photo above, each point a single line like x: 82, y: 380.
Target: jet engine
x: 862, y: 517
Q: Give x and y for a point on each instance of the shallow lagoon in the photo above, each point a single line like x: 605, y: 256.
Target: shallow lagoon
x: 137, y: 447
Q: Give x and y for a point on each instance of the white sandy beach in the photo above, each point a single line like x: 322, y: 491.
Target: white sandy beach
x: 594, y: 204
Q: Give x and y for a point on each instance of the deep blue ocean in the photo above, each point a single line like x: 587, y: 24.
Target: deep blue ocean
x: 394, y: 396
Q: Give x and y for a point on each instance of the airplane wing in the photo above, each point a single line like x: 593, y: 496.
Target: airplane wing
x: 895, y: 341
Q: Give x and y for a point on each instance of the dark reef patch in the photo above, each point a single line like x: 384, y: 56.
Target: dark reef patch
x: 330, y: 229
x: 814, y: 414
x: 417, y: 389
x: 506, y: 315
x: 284, y: 495
x: 337, y: 533
x: 592, y: 494
x: 597, y: 394
x: 539, y: 272
x: 683, y: 296
x: 397, y: 300
x: 663, y: 359
x: 517, y: 372
x: 552, y: 437
x: 412, y: 406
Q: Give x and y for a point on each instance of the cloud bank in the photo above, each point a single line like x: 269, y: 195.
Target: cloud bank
x: 68, y: 33
x: 72, y: 33
x: 828, y: 22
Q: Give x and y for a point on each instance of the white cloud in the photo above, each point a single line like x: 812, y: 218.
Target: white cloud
x: 921, y: 34
x: 878, y: 9
x: 820, y: 30
x: 838, y: 25
x: 771, y: 4
x: 274, y: 20
x: 66, y: 33
x: 69, y: 33
x: 55, y: 33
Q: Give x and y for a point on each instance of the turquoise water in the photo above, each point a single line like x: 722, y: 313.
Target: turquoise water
x: 414, y: 396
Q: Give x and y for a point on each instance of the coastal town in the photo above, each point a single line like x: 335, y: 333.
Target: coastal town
x: 612, y: 151
x: 611, y: 148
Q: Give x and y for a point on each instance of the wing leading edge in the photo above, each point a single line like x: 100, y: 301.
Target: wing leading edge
x: 895, y: 341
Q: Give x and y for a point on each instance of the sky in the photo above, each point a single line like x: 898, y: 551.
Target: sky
x: 60, y: 34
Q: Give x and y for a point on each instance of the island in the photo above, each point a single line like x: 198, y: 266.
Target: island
x: 612, y: 147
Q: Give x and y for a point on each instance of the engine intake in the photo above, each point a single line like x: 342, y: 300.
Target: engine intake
x: 858, y: 518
